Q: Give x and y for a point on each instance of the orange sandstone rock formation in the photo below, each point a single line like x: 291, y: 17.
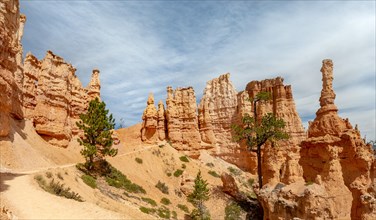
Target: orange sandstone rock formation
x: 220, y: 107
x: 47, y: 92
x: 280, y: 163
x: 182, y: 121
x: 338, y: 168
x: 11, y: 30
x: 335, y: 153
x: 150, y: 121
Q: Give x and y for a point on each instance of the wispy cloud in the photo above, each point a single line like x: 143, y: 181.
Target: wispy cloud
x: 142, y: 47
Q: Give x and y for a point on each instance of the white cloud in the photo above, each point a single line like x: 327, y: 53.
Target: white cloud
x: 142, y: 47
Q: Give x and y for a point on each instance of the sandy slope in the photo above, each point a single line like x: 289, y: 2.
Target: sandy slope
x: 28, y: 201
x: 27, y: 155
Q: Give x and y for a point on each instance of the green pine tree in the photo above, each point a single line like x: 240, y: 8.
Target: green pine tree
x: 199, y: 195
x: 257, y: 133
x: 97, y: 140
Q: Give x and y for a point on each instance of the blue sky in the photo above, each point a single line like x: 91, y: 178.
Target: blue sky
x: 144, y: 46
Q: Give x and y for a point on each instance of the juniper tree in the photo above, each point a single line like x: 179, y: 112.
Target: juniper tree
x: 97, y: 126
x: 270, y: 129
x: 199, y: 195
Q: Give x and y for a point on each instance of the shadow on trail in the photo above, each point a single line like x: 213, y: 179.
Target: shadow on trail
x: 4, y: 178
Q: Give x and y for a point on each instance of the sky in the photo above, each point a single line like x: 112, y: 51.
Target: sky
x: 145, y: 46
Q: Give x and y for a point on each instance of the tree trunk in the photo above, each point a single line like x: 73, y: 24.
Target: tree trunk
x: 259, y: 168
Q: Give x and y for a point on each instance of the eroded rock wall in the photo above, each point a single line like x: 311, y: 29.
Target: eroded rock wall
x: 11, y: 30
x: 335, y: 153
x: 54, y: 97
x: 150, y: 121
x: 338, y: 169
x: 280, y: 162
x: 182, y: 120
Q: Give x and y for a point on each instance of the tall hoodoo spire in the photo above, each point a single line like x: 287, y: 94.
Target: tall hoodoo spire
x: 94, y: 87
x: 327, y: 94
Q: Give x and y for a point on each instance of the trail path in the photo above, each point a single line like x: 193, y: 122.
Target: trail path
x: 9, y: 171
x: 17, y: 189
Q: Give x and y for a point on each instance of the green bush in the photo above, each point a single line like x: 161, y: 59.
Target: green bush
x: 168, y: 174
x: 164, y: 212
x: 89, y: 180
x: 250, y: 182
x: 152, y: 202
x: 117, y: 179
x: 184, y: 208
x: 232, y: 212
x: 165, y: 201
x: 48, y: 174
x: 147, y: 210
x: 210, y: 164
x: 213, y: 173
x: 234, y: 171
x: 57, y: 188
x: 178, y: 172
x: 60, y: 176
x: 162, y: 187
x: 138, y: 160
x: 183, y: 166
x: 161, y: 145
x: 309, y: 182
x: 184, y: 159
x: 174, y: 215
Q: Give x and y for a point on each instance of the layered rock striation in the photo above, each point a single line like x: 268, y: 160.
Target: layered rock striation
x: 208, y: 126
x: 11, y: 31
x: 45, y: 91
x: 182, y: 120
x: 335, y: 153
x: 54, y: 97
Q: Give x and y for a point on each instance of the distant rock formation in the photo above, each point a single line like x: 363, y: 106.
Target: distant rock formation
x: 280, y: 163
x: 338, y: 169
x: 54, y: 97
x: 335, y: 153
x: 182, y: 120
x: 150, y: 121
x: 208, y: 126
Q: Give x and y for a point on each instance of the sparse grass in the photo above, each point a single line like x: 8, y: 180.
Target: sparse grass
x: 152, y: 202
x: 184, y: 159
x: 210, y: 164
x: 184, y: 208
x: 162, y: 187
x: 213, y: 173
x: 309, y: 182
x: 164, y: 212
x: 251, y: 195
x: 117, y: 179
x: 156, y: 152
x: 138, y: 160
x: 233, y: 211
x: 147, y: 210
x: 169, y: 142
x: 178, y: 172
x: 234, y: 171
x: 250, y: 182
x: 57, y: 188
x: 48, y: 174
x: 183, y: 166
x: 89, y: 180
x: 165, y: 201
x: 60, y: 176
